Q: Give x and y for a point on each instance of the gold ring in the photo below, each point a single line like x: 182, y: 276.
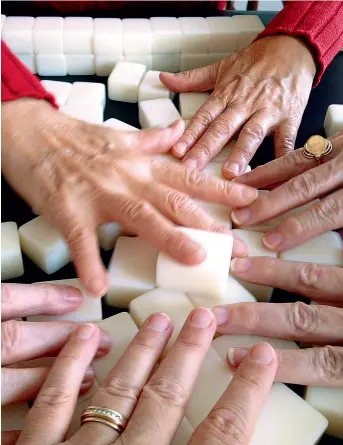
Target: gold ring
x: 105, y: 416
x: 316, y: 148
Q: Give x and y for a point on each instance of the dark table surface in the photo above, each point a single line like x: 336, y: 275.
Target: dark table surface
x: 329, y: 91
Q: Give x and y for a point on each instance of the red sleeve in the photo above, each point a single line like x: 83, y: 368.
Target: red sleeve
x: 17, y: 81
x: 319, y: 22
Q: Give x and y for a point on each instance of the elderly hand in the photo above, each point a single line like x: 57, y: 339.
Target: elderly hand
x: 259, y: 90
x: 23, y: 342
x: 80, y: 175
x: 153, y: 402
x: 305, y: 182
x: 320, y: 324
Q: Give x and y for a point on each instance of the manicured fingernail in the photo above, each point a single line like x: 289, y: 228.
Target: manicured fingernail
x: 159, y: 322
x: 240, y: 216
x: 72, y: 294
x: 105, y: 340
x: 233, y: 168
x: 201, y: 318
x: 85, y: 331
x: 221, y: 315
x: 272, y: 240
x: 236, y: 355
x: 180, y: 148
x: 191, y: 163
x: 262, y: 353
x: 240, y: 265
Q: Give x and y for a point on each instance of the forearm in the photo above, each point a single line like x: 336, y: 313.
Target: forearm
x: 320, y: 24
x: 17, y: 81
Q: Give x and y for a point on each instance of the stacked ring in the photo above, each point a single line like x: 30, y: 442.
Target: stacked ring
x: 106, y: 416
x: 316, y: 148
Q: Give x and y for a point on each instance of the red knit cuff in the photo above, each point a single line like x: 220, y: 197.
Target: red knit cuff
x: 319, y: 23
x: 17, y: 81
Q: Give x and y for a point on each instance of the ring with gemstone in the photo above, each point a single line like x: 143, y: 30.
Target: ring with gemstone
x: 316, y: 148
x: 105, y: 416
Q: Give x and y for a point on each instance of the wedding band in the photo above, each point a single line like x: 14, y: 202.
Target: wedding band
x: 316, y: 148
x: 106, y: 416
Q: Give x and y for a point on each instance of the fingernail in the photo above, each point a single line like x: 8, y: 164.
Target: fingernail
x: 105, y: 340
x: 201, y: 318
x: 240, y: 216
x: 272, y: 240
x: 89, y: 376
x: 191, y: 163
x: 180, y: 148
x: 159, y: 322
x: 240, y: 248
x: 236, y: 355
x: 262, y: 353
x: 240, y: 265
x: 85, y: 331
x: 233, y: 167
x: 221, y: 314
x: 248, y: 192
x: 72, y: 294
x: 85, y: 387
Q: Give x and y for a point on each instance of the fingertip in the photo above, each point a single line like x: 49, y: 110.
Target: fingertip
x: 240, y: 249
x: 191, y: 253
x: 97, y: 284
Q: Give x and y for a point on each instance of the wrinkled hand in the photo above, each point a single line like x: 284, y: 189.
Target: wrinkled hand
x: 320, y: 324
x: 80, y: 175
x: 152, y: 400
x: 23, y: 342
x: 305, y: 182
x: 259, y: 90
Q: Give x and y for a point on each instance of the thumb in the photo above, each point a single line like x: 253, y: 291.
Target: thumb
x: 155, y: 140
x: 199, y: 79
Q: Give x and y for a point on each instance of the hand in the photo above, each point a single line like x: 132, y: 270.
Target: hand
x: 305, y: 182
x: 259, y: 90
x: 153, y: 402
x: 313, y: 324
x: 80, y: 176
x: 23, y: 342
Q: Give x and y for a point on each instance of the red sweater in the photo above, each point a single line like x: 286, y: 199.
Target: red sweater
x: 319, y: 23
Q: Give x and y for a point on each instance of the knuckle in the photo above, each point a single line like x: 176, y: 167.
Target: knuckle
x: 10, y: 337
x: 205, y: 150
x: 204, y: 118
x: 293, y: 226
x: 303, y: 185
x: 328, y: 363
x: 287, y: 143
x: 53, y: 396
x: 6, y: 295
x: 195, y: 179
x: 121, y: 386
x: 303, y: 318
x: 136, y: 211
x: 179, y: 203
x: 229, y: 422
x: 76, y: 233
x: 253, y: 130
x: 221, y: 129
x: 167, y: 390
x: 329, y: 210
x: 311, y: 276
x: 191, y: 133
x: 246, y: 312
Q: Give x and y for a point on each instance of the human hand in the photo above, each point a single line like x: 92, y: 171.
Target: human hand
x: 80, y: 175
x: 305, y: 182
x: 153, y: 402
x: 23, y: 342
x: 262, y: 89
x: 319, y: 324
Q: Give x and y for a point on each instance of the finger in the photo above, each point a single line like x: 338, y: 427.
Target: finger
x: 55, y: 403
x: 215, y: 137
x: 293, y: 193
x: 199, y: 79
x: 250, y: 138
x: 22, y: 340
x: 154, y: 140
x: 85, y: 253
x: 170, y: 388
x: 203, y: 186
x: 284, y: 168
x: 24, y: 384
x: 313, y: 324
x: 122, y: 388
x: 23, y: 300
x: 320, y: 283
x: 182, y: 210
x: 233, y: 418
x: 285, y: 137
x: 200, y: 122
x: 312, y: 366
x: 321, y: 217
x: 9, y: 437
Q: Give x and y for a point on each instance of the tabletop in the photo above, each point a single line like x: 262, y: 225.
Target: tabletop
x: 329, y: 91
